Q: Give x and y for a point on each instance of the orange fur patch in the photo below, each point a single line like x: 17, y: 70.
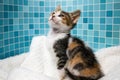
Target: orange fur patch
x: 72, y: 45
x: 89, y: 72
x: 63, y: 20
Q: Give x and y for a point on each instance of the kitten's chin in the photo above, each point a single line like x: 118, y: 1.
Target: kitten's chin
x: 54, y: 24
x: 59, y: 27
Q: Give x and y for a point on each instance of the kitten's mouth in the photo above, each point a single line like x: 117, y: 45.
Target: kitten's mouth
x: 56, y: 22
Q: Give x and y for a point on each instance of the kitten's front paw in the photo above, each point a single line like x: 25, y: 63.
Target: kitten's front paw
x: 62, y: 62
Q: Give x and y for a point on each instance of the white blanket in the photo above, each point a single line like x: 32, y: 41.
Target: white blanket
x: 38, y: 65
x: 109, y: 59
x: 8, y: 64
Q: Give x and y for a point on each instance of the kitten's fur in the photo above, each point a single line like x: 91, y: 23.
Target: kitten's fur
x: 76, y: 60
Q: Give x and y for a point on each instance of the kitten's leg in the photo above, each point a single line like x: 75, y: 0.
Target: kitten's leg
x: 62, y: 61
x: 60, y: 48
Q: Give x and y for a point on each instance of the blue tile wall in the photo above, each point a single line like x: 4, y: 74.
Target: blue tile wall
x: 20, y: 20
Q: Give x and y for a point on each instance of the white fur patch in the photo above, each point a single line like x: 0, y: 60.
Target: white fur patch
x: 76, y: 72
x: 52, y: 38
x: 69, y: 42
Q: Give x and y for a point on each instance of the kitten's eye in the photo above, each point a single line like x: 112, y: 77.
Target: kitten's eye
x: 61, y: 15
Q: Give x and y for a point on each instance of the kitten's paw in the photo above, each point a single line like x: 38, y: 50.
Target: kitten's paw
x: 62, y: 62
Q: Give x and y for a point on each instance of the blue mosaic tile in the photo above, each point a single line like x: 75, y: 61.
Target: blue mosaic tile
x: 95, y: 39
x: 110, y: 1
x: 90, y: 20
x: 84, y: 32
x: 25, y: 2
x: 102, y: 40
x: 1, y: 36
x: 1, y: 7
x: 116, y: 28
x: 5, y: 14
x: 7, y: 55
x: 109, y: 13
x: 1, y: 14
x: 85, y: 20
x: 1, y: 1
x: 116, y: 5
x: 90, y: 14
x: 117, y: 0
x: 109, y: 40
x: 85, y: 14
x: 115, y: 41
x: 95, y: 45
x: 15, y: 14
x: 11, y: 15
x: 5, y: 28
x: 109, y: 27
x: 41, y: 14
x: 11, y: 7
x: 108, y: 34
x: 102, y: 13
x: 90, y: 7
x: 102, y: 34
x: 116, y: 34
x: 6, y: 36
x: 117, y: 13
x: 6, y: 42
x: 102, y: 20
x: 102, y: 1
x: 96, y: 33
x: 85, y: 8
x: 6, y: 7
x: 116, y: 20
x: 109, y: 20
x: 109, y: 6
x: 96, y: 7
x: 31, y: 26
x: 1, y: 22
x: 11, y: 40
x: 10, y: 21
x: 16, y: 33
x: 102, y: 6
x: 36, y: 14
x: 12, y: 53
x: 90, y: 26
x: 41, y: 3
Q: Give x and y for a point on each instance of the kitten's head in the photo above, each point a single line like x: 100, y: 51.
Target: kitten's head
x: 63, y: 21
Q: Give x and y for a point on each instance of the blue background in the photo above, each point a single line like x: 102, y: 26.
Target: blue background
x: 20, y: 20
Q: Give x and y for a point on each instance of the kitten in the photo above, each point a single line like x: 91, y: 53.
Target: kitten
x: 72, y: 56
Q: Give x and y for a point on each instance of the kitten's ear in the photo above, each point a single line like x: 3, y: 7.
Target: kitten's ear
x: 58, y: 8
x: 75, y: 16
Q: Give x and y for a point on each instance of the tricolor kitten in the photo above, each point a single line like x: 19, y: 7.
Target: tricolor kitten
x: 75, y: 59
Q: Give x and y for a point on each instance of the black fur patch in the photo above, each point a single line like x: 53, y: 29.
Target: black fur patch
x: 60, y: 48
x: 89, y: 57
x: 79, y: 67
